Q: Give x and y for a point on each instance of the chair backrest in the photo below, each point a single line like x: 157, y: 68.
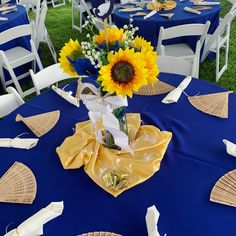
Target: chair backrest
x: 9, y: 102
x: 183, y: 30
x: 17, y: 32
x: 218, y: 32
x: 33, y: 5
x: 175, y: 65
x: 233, y: 7
x: 48, y: 76
x: 41, y: 23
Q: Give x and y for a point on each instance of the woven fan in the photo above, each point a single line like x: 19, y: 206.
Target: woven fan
x: 224, y: 191
x: 200, y: 8
x: 100, y: 234
x: 18, y: 185
x: 138, y: 14
x: 155, y: 89
x: 42, y: 123
x: 215, y: 104
x: 168, y: 15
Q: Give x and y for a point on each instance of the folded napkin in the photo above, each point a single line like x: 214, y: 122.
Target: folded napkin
x: 7, y: 8
x: 67, y: 96
x: 34, y: 225
x: 152, y: 218
x: 174, y: 95
x: 188, y: 9
x: 3, y: 18
x: 207, y: 3
x: 131, y: 9
x: 230, y: 147
x: 25, y: 143
x: 150, y: 14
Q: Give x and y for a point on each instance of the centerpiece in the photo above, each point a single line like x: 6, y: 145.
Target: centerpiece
x: 115, y: 150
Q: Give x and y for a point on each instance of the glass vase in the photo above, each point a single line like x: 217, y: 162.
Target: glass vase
x: 120, y: 114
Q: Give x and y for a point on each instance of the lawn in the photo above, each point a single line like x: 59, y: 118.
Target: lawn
x: 58, y: 23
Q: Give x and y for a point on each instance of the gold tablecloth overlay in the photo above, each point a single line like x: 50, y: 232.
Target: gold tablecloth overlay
x: 148, y: 143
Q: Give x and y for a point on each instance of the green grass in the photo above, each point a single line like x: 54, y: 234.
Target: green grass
x: 58, y: 23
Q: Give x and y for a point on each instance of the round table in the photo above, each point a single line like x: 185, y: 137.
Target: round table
x: 195, y: 159
x: 149, y: 28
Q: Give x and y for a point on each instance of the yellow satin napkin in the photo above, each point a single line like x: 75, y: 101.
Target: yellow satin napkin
x: 148, y: 143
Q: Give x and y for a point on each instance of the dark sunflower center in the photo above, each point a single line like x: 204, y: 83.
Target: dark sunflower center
x: 122, y: 72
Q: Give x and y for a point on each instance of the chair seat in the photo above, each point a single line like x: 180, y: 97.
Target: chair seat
x: 18, y: 56
x: 179, y: 50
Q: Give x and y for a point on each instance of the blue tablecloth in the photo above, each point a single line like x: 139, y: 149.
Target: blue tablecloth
x: 150, y: 27
x: 15, y: 19
x: 195, y: 159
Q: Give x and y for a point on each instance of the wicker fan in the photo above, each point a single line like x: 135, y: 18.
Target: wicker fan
x: 215, y: 104
x: 167, y: 15
x: 224, y: 191
x: 42, y: 123
x: 155, y: 89
x: 100, y: 234
x: 18, y: 185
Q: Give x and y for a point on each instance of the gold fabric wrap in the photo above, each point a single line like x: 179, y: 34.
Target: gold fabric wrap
x: 148, y: 143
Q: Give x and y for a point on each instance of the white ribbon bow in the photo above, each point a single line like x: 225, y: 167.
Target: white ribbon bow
x: 25, y: 143
x: 66, y: 95
x: 174, y: 95
x: 34, y: 225
x: 152, y: 218
x: 230, y: 147
x: 101, y: 108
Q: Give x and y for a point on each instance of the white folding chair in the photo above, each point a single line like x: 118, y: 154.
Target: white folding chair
x: 17, y: 56
x: 175, y: 65
x: 219, y: 39
x: 183, y: 50
x: 34, y: 6
x: 9, y: 102
x: 79, y: 7
x: 48, y: 76
x: 42, y: 33
x: 233, y: 7
x: 57, y: 3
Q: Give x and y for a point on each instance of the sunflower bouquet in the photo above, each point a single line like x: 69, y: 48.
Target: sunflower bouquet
x: 120, y: 61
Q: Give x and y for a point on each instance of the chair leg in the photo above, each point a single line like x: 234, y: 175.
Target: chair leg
x: 2, y: 78
x: 80, y: 21
x: 217, y: 62
x: 34, y: 50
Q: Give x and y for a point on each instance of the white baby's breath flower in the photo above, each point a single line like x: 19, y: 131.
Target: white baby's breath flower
x: 125, y: 27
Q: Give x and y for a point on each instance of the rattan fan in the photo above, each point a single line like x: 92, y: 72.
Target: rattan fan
x: 100, y: 234
x: 42, y: 123
x: 167, y: 15
x: 224, y: 191
x: 215, y: 104
x: 155, y: 89
x: 18, y: 185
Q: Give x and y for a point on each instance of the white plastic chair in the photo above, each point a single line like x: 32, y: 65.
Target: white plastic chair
x: 182, y: 50
x: 175, y: 65
x: 9, y: 102
x: 42, y: 33
x: 34, y: 6
x: 57, y: 3
x: 79, y: 7
x: 17, y: 56
x: 219, y: 39
x: 48, y: 76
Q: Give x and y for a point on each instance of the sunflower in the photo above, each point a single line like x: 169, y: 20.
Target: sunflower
x: 150, y: 58
x: 125, y: 73
x: 141, y: 44
x: 113, y: 35
x: 73, y: 50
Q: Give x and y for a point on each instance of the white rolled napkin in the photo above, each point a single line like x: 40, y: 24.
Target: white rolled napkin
x: 207, y: 3
x: 33, y: 226
x: 3, y: 18
x: 188, y: 9
x: 174, y: 95
x: 7, y: 8
x: 67, y: 96
x: 152, y: 218
x: 230, y: 147
x: 150, y: 14
x: 131, y: 9
x: 23, y: 143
